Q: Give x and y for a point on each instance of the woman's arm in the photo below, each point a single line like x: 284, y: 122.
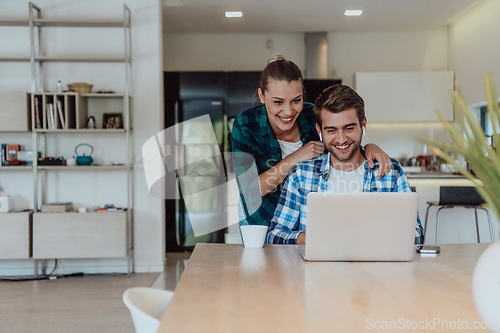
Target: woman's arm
x: 375, y: 153
x: 271, y: 178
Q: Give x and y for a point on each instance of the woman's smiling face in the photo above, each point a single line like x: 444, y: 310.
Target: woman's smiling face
x: 284, y: 102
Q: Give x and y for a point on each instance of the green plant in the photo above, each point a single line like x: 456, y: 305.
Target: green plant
x: 470, y: 141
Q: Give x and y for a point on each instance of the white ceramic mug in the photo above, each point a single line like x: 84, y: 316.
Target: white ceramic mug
x: 71, y: 161
x: 253, y: 236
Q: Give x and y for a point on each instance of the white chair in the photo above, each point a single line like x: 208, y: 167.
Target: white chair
x: 146, y: 306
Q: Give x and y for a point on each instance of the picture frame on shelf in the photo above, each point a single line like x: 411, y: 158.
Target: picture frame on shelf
x: 112, y: 120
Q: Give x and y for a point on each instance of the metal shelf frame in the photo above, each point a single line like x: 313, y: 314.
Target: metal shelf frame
x: 36, y: 59
x: 37, y: 24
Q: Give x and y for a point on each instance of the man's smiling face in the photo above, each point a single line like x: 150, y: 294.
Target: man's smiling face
x: 342, y: 133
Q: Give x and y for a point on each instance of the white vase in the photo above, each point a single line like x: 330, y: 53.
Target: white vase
x: 486, y: 286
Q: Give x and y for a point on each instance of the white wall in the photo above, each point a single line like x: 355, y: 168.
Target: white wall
x: 475, y: 48
x: 147, y: 104
x: 228, y: 51
x: 147, y: 107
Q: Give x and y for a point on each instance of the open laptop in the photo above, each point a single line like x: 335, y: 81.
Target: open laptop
x: 366, y: 226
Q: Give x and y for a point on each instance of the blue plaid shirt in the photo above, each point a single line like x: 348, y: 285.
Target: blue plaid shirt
x: 312, y: 176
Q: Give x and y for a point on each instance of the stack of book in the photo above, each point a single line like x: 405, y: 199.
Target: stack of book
x: 57, y: 207
x: 9, y: 154
x: 55, y: 116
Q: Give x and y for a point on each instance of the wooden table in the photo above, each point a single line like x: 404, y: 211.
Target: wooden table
x: 227, y: 288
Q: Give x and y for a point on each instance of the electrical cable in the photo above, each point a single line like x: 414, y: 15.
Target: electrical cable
x: 106, y: 274
x: 50, y: 276
x: 52, y: 272
x: 43, y: 277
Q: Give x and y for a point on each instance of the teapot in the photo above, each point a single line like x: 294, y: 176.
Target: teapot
x: 84, y: 159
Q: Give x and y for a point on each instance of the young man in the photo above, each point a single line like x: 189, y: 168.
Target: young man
x: 341, y: 122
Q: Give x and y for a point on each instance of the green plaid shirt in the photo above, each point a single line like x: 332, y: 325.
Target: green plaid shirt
x: 253, y: 134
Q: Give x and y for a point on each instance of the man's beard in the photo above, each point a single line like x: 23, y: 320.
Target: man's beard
x: 354, y: 148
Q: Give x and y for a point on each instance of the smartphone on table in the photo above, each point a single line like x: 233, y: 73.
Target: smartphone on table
x: 428, y: 249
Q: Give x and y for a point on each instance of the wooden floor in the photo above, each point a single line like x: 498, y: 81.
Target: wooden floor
x: 86, y: 304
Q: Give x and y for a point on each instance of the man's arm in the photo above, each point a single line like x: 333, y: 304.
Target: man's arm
x: 301, y: 238
x: 419, y: 232
x: 286, y: 224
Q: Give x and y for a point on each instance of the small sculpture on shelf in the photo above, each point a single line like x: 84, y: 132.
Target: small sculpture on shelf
x: 91, y: 123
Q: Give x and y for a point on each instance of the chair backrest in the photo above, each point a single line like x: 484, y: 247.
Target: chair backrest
x: 146, y: 306
x: 459, y: 195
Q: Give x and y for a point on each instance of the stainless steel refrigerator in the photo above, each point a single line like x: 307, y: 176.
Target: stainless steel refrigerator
x: 200, y: 181
x: 202, y: 201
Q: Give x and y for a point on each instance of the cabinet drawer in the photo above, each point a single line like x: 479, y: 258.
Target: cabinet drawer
x: 15, y: 235
x: 79, y: 235
x: 406, y: 96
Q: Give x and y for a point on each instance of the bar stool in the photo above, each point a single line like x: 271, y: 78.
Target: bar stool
x: 458, y: 196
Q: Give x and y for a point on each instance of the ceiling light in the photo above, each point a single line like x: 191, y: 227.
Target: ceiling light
x: 173, y: 3
x: 234, y: 14
x: 353, y: 12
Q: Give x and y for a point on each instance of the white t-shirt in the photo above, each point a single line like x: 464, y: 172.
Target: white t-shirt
x: 289, y: 147
x: 342, y: 181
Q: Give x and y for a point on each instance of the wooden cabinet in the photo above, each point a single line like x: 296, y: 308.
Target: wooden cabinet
x: 406, y: 96
x: 13, y: 115
x: 80, y: 235
x: 15, y: 235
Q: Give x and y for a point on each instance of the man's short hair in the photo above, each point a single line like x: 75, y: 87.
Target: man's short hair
x: 338, y: 98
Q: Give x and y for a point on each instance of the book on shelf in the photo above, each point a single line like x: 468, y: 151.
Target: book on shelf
x: 3, y: 151
x: 38, y: 113
x: 60, y: 112
x: 12, y: 151
x: 50, y: 116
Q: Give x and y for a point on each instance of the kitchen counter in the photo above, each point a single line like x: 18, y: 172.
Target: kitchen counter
x: 457, y: 225
x: 434, y: 175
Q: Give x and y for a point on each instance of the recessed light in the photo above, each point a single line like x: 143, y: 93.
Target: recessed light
x: 234, y: 14
x: 173, y: 3
x: 353, y: 12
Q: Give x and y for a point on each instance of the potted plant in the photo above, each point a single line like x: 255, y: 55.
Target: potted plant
x: 483, y: 157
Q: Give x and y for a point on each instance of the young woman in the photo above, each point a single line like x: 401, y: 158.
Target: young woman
x: 279, y: 134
